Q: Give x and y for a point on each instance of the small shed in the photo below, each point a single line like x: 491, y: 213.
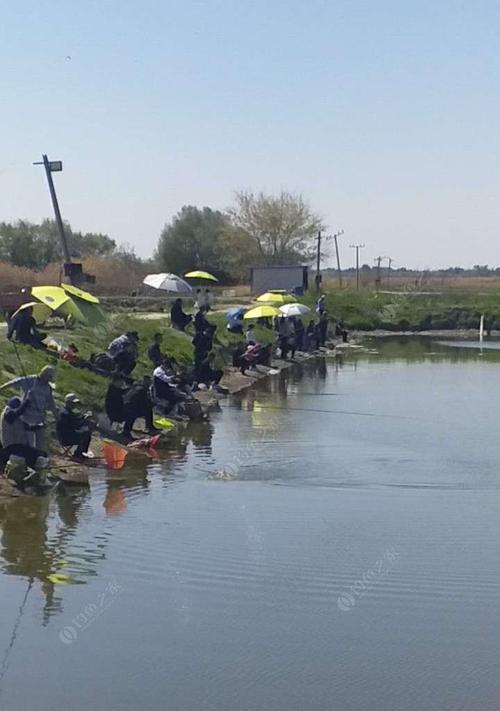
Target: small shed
x: 292, y: 277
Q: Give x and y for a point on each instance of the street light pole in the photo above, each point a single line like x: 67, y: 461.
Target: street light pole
x: 54, y: 167
x: 357, y: 247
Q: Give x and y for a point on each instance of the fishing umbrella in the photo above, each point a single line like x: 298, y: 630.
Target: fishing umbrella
x: 278, y: 298
x: 80, y: 293
x: 52, y: 296
x: 294, y: 310
x: 41, y: 312
x: 167, y: 282
x: 82, y: 306
x: 198, y: 274
x: 78, y: 308
x: 82, y: 311
x: 236, y: 312
x: 262, y: 312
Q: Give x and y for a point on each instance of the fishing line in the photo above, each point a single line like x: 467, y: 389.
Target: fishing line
x: 326, y: 412
x: 13, y: 637
x: 19, y: 358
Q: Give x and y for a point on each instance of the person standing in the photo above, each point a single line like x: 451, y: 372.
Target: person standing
x: 323, y: 328
x: 299, y: 334
x: 283, y: 336
x: 321, y: 304
x: 124, y: 351
x: 37, y: 401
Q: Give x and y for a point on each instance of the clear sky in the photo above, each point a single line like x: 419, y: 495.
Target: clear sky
x: 384, y: 114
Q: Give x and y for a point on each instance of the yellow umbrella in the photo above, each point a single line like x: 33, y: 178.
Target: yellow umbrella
x: 41, y: 312
x: 262, y: 312
x: 272, y: 297
x: 75, y: 291
x: 197, y: 274
x: 52, y: 296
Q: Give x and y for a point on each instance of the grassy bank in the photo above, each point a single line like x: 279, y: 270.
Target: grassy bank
x: 91, y: 387
x: 412, y: 309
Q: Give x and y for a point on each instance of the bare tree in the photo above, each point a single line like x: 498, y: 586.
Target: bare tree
x: 282, y: 228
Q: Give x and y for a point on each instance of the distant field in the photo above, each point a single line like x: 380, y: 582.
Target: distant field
x: 428, y: 283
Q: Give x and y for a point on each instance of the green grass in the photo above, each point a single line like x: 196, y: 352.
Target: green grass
x: 91, y: 388
x: 412, y: 310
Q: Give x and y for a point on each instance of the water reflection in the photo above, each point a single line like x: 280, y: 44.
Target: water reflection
x: 39, y: 538
x: 33, y: 547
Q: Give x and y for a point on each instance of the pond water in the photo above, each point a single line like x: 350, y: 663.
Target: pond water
x: 350, y: 562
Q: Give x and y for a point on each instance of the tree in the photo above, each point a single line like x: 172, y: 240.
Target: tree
x: 281, y: 228
x: 194, y: 240
x: 30, y: 245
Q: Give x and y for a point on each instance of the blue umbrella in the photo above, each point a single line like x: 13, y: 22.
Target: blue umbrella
x: 236, y: 312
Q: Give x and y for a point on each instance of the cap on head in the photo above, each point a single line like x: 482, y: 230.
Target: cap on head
x: 71, y: 399
x: 47, y: 373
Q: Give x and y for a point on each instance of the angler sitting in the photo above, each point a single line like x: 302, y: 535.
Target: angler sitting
x: 22, y: 328
x: 178, y: 318
x: 166, y: 395
x: 73, y: 427
x: 254, y: 355
x: 206, y: 373
x: 137, y: 403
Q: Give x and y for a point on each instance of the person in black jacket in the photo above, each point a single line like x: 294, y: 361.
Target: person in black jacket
x: 137, y: 403
x: 73, y: 427
x: 114, y: 399
x: 22, y: 328
x: 178, y: 318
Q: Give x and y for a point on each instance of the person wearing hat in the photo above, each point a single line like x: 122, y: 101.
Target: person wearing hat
x: 124, y: 351
x: 37, y: 401
x: 73, y: 427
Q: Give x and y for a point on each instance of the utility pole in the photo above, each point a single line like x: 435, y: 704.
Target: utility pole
x: 55, y: 166
x: 357, y: 247
x: 339, y: 270
x: 391, y: 262
x: 318, y: 262
x: 378, y: 279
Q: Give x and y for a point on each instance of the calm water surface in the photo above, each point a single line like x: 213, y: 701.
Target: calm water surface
x: 352, y: 562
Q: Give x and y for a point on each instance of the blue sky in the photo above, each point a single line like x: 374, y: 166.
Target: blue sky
x: 384, y: 115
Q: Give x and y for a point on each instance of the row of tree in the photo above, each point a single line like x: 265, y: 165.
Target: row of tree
x: 25, y: 244
x: 259, y: 229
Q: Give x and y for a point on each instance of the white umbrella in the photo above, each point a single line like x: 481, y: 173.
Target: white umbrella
x: 294, y: 309
x: 167, y: 282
